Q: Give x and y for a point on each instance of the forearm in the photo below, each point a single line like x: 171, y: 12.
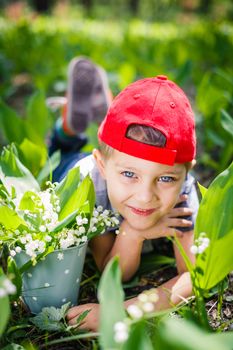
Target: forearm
x: 128, y: 247
x: 170, y: 293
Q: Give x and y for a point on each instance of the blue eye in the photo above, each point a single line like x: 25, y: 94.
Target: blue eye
x: 129, y: 174
x: 166, y: 179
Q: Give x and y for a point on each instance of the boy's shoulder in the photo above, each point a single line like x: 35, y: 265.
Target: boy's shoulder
x: 87, y: 166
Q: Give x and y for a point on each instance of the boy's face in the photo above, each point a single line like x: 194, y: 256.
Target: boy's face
x: 141, y: 191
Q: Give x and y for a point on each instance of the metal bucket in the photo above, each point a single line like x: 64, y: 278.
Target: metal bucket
x: 53, y: 281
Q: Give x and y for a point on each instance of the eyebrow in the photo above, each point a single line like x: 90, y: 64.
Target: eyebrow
x: 118, y: 165
x: 170, y: 172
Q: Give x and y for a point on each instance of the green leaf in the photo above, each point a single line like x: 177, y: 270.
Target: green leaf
x: 73, y: 195
x: 81, y: 317
x: 176, y: 334
x: 16, y: 279
x: 49, y: 166
x: 14, y: 174
x: 10, y: 219
x: 5, y: 313
x: 33, y: 156
x: 111, y: 297
x: 202, y: 189
x: 37, y: 113
x: 11, y: 124
x: 27, y: 202
x: 226, y: 122
x: 138, y: 338
x: 216, y: 220
x: 4, y: 306
x: 68, y: 185
x: 217, y: 263
x: 15, y: 128
x: 51, y: 318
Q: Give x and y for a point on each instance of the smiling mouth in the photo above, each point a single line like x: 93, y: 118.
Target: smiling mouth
x: 142, y: 212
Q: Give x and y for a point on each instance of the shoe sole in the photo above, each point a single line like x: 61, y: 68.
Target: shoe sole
x: 87, y: 95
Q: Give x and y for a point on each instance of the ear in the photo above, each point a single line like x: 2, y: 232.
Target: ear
x: 190, y: 165
x: 99, y: 161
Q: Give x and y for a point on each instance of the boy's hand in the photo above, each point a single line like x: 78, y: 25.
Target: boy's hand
x: 90, y: 322
x: 169, y: 224
x: 166, y: 226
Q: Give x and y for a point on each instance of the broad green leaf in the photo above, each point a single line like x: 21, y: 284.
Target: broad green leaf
x: 175, y: 334
x: 138, y: 338
x: 38, y: 114
x: 66, y: 221
x: 73, y: 200
x: 10, y: 219
x: 68, y: 185
x: 216, y: 220
x: 16, y: 279
x: 27, y: 202
x: 4, y: 306
x: 33, y: 156
x: 202, y: 189
x: 14, y: 174
x: 217, y: 263
x: 227, y: 122
x: 11, y: 124
x: 85, y: 208
x: 111, y: 297
x: 5, y: 313
x: 15, y: 128
x: 49, y: 166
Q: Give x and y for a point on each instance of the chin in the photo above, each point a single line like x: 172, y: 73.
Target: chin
x: 140, y: 225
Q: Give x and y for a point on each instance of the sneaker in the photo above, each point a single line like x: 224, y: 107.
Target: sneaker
x: 87, y: 95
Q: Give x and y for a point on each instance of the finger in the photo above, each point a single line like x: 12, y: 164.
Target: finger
x: 182, y: 198
x: 173, y: 232
x: 181, y: 211
x: 74, y: 312
x: 179, y: 222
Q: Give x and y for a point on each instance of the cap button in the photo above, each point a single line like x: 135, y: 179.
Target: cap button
x: 161, y: 77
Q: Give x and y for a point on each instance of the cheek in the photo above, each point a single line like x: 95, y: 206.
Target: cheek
x: 117, y: 192
x: 170, y: 197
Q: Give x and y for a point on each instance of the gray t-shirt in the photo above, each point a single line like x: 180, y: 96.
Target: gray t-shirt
x: 88, y: 165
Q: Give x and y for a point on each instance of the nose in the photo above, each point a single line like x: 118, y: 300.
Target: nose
x: 145, y: 194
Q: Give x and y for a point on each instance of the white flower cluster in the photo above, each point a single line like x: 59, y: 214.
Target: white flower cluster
x: 7, y: 288
x: 102, y: 219
x: 30, y: 244
x: 144, y: 305
x: 38, y: 240
x: 201, y: 243
x: 71, y: 237
x: 121, y: 332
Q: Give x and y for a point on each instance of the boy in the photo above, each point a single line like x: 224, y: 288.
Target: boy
x: 147, y: 146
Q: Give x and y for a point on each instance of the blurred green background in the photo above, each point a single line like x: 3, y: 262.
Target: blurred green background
x: 190, y: 41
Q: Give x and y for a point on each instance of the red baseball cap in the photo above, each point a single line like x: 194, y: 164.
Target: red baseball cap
x: 159, y: 103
